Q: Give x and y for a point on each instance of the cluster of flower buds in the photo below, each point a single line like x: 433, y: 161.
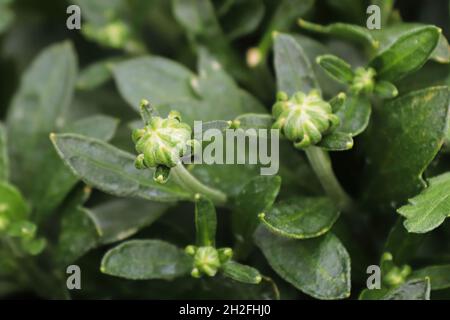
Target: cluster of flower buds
x: 162, y: 143
x: 303, y: 119
x: 208, y: 260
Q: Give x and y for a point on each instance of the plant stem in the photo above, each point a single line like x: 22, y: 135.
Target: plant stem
x: 190, y: 183
x: 321, y: 164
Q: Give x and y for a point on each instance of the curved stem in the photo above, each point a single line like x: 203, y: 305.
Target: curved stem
x: 321, y: 164
x: 190, y: 183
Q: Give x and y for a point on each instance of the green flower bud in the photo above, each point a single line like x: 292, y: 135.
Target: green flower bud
x: 397, y: 275
x: 162, y: 142
x: 303, y: 119
x: 206, y: 261
x: 225, y: 254
x: 364, y: 81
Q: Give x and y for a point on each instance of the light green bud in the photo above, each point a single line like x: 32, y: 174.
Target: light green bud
x: 364, y: 81
x: 303, y: 119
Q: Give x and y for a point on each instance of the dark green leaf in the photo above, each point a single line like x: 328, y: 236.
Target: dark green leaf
x: 292, y: 67
x: 256, y: 196
x: 439, y: 276
x: 407, y: 54
x: 243, y: 18
x: 336, y: 141
x: 241, y: 273
x: 96, y: 74
x: 145, y: 260
x: 301, y: 217
x: 428, y: 210
x: 59, y: 180
x: 319, y: 267
x: 354, y: 114
x: 119, y: 219
x: 407, y: 133
x: 112, y: 170
x: 205, y: 222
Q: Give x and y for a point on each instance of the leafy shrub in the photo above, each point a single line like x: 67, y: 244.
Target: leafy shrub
x: 364, y: 165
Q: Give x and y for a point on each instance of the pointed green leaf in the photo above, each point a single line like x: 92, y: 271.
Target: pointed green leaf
x: 205, y: 222
x: 36, y: 110
x: 12, y: 204
x: 428, y: 210
x: 59, y: 179
x: 406, y: 135
x: 407, y: 54
x: 292, y: 67
x: 319, y: 267
x: 439, y: 276
x: 145, y: 260
x: 112, y: 170
x: 241, y: 273
x: 301, y: 217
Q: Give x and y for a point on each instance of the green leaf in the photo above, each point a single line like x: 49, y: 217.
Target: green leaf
x: 36, y: 110
x: 243, y: 18
x: 254, y: 121
x: 373, y: 294
x: 77, y: 231
x: 257, y: 196
x: 121, y: 218
x: 354, y: 114
x: 4, y: 161
x: 12, y: 204
x: 241, y: 273
x: 406, y: 135
x: 145, y: 260
x: 336, y: 141
x: 6, y: 18
x: 402, y: 244
x: 410, y: 290
x: 170, y: 86
x: 157, y: 79
x: 292, y: 67
x: 205, y: 222
x: 428, y: 210
x: 407, y: 54
x: 112, y: 170
x: 344, y: 31
x: 439, y: 276
x: 283, y: 18
x: 336, y: 68
x: 387, y: 36
x: 59, y: 180
x: 319, y: 267
x: 301, y: 217
x: 385, y: 90
x: 96, y: 74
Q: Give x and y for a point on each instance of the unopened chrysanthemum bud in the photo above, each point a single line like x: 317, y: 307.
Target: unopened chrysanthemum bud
x: 207, y: 261
x: 161, y: 144
x: 303, y: 119
x: 363, y: 81
x: 225, y: 254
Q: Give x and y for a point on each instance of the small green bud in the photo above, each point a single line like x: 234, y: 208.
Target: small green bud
x: 397, y: 275
x: 190, y: 250
x: 303, y: 119
x: 207, y: 261
x: 161, y: 143
x: 195, y: 273
x: 225, y: 254
x: 385, y: 90
x: 364, y: 81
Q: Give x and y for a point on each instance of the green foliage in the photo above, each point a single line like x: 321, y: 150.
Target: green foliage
x: 363, y: 119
